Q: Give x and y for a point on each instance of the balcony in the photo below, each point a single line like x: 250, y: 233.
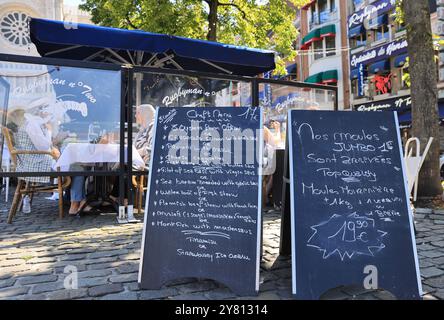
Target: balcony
x: 322, y: 17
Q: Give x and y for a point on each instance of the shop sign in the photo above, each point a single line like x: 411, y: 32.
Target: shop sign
x: 382, y: 52
x: 361, y: 80
x: 371, y: 11
x: 393, y: 104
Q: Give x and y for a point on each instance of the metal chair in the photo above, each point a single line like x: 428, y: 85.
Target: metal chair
x: 31, y: 188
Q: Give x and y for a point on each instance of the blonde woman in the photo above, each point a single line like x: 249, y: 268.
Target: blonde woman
x: 31, y: 133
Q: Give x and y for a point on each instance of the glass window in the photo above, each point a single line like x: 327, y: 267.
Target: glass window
x: 318, y: 50
x: 281, y: 98
x: 382, y: 32
x: 332, y: 5
x: 330, y: 45
x: 358, y: 41
x: 314, y: 15
x: 322, y: 5
x: 403, y: 72
x: 74, y: 113
x: 173, y: 90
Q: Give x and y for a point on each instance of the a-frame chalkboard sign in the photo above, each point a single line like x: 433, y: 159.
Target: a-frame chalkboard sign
x: 351, y: 222
x: 203, y: 207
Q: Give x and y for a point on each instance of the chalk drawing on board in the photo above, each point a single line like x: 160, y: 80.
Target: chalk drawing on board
x: 351, y: 179
x: 352, y: 235
x: 383, y: 128
x: 207, y: 233
x: 168, y: 117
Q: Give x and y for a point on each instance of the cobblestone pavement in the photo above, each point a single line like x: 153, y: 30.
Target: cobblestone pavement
x: 37, y: 247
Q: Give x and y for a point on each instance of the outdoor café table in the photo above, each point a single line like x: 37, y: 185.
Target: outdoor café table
x: 89, y: 154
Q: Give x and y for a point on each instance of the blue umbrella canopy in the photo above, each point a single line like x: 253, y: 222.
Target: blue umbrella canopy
x: 86, y: 42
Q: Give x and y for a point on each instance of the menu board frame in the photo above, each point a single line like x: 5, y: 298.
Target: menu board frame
x: 293, y: 209
x: 259, y: 224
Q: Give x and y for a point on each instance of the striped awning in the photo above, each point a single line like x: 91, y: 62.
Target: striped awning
x: 328, y: 31
x: 315, y: 78
x: 312, y: 36
x: 330, y: 76
x: 326, y: 77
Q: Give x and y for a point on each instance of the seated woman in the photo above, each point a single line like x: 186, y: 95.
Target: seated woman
x: 31, y: 132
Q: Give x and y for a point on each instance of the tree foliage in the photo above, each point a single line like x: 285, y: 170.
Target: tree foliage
x: 265, y: 24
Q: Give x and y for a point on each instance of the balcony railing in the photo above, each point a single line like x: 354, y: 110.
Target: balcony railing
x: 322, y: 17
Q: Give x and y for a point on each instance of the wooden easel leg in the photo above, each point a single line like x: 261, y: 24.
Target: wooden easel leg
x: 15, y: 201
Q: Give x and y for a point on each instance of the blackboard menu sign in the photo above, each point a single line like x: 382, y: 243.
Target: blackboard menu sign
x: 203, y: 209
x: 350, y: 215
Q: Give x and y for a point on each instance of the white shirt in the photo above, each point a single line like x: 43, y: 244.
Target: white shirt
x: 40, y: 137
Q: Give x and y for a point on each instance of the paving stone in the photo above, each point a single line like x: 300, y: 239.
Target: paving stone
x: 427, y: 289
x: 67, y: 294
x: 37, y: 279
x: 437, y: 282
x: 110, y: 253
x: 189, y: 296
x: 431, y: 272
x: 429, y: 297
x: 11, y: 262
x: 72, y: 257
x: 423, y: 210
x: 61, y: 269
x: 130, y: 277
x: 424, y: 263
x: 4, y: 276
x: 128, y: 268
x: 132, y: 286
x: 94, y: 273
x: 425, y: 247
x: 437, y: 216
x: 7, y: 283
x: 91, y: 282
x: 438, y: 244
x: 219, y: 294
x: 121, y: 296
x: 432, y: 254
x: 48, y: 287
x: 13, y: 291
x: 41, y: 260
x: 439, y: 294
x: 105, y: 289
x: 158, y: 294
x: 197, y: 286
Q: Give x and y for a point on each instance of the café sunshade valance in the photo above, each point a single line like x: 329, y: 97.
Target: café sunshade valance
x: 134, y: 47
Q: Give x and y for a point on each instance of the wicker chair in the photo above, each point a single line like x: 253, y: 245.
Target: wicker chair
x: 30, y: 188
